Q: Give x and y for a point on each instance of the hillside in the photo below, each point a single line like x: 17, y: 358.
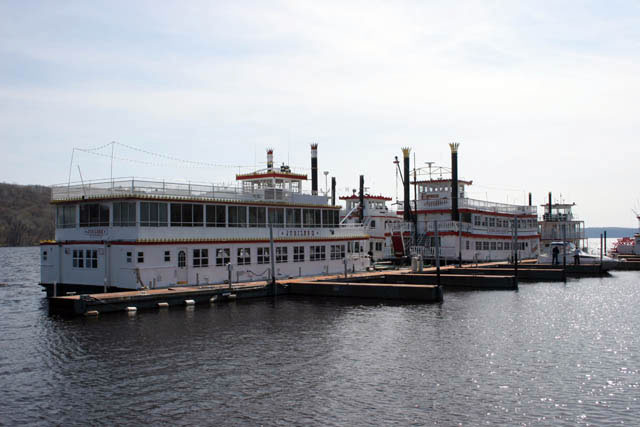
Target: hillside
x: 26, y: 217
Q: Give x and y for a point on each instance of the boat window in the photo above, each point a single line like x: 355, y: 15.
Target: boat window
x: 223, y: 256
x: 129, y: 256
x: 66, y: 216
x: 263, y: 255
x: 216, y: 216
x: 298, y: 254
x: 237, y: 216
x: 186, y: 215
x: 257, y: 216
x: 282, y: 254
x: 153, y: 214
x: 244, y: 256
x: 201, y: 257
x: 182, y: 259
x: 124, y: 214
x: 294, y: 217
x: 317, y: 253
x: 167, y: 256
x: 276, y: 217
x: 94, y: 215
x: 309, y: 217
x: 140, y: 257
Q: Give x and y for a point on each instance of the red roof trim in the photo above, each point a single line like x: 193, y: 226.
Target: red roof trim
x: 270, y: 175
x: 366, y: 196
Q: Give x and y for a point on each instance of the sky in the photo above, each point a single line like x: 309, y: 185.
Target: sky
x: 543, y: 96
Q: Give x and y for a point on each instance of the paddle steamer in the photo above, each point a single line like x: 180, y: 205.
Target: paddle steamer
x: 128, y: 234
x: 468, y: 229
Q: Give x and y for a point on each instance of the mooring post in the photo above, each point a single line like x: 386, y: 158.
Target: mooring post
x: 55, y: 285
x: 437, y: 243
x: 346, y: 268
x: 229, y: 270
x: 564, y: 252
x: 600, y: 249
x: 273, y: 265
x: 515, y: 251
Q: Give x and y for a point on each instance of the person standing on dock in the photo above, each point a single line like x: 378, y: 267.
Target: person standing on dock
x: 576, y: 256
x: 555, y: 253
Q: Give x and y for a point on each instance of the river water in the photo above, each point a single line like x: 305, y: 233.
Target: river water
x: 550, y: 353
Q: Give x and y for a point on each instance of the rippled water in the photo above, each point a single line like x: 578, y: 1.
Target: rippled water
x: 550, y: 353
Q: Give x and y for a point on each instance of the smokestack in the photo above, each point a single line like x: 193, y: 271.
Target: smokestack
x: 361, y: 199
x: 407, y: 198
x: 314, y: 169
x: 269, y: 159
x: 549, y: 205
x: 530, y: 200
x: 333, y: 191
x: 455, y: 214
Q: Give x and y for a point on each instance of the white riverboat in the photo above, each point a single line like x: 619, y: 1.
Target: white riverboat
x: 129, y: 234
x: 628, y: 245
x: 375, y: 216
x: 469, y: 230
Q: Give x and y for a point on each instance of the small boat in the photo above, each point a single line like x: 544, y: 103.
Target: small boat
x: 546, y: 257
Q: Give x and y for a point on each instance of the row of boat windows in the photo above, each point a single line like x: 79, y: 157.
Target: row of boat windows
x: 88, y: 258
x: 243, y: 256
x: 499, y: 222
x: 498, y: 246
x: 154, y: 214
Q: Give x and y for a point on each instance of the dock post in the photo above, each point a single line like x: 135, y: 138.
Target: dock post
x: 515, y: 256
x: 230, y: 269
x: 435, y: 232
x: 55, y: 286
x: 564, y: 252
x: 346, y: 269
x: 605, y: 242
x: 600, y: 249
x: 273, y: 265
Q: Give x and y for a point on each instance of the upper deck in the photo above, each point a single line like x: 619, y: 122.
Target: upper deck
x: 143, y: 188
x: 474, y: 205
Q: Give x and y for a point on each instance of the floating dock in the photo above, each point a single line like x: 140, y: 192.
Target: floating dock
x: 402, y: 284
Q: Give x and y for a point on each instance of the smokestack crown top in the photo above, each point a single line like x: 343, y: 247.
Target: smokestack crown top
x: 454, y: 147
x: 269, y: 150
x: 406, y: 151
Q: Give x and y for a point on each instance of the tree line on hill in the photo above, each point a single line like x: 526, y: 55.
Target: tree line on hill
x: 26, y: 215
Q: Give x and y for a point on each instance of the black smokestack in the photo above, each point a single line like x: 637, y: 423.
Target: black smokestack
x: 314, y: 169
x: 549, y: 205
x: 361, y: 199
x: 455, y: 214
x: 407, y: 198
x: 530, y: 200
x: 333, y: 191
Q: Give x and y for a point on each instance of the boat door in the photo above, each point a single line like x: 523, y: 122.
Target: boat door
x: 183, y: 267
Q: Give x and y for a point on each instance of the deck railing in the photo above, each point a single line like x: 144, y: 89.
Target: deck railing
x: 481, y: 205
x: 157, y: 188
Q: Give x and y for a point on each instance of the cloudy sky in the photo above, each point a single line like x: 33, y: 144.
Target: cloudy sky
x: 542, y: 95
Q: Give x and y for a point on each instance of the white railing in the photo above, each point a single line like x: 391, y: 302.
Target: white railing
x: 465, y: 203
x: 430, y: 252
x: 153, y: 188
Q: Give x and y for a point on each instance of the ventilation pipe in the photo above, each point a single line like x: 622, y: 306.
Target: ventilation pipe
x: 333, y: 191
x: 530, y: 200
x: 455, y: 214
x: 361, y: 199
x: 314, y: 169
x: 406, y: 151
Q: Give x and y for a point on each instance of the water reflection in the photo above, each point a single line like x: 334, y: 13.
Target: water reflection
x: 550, y: 353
